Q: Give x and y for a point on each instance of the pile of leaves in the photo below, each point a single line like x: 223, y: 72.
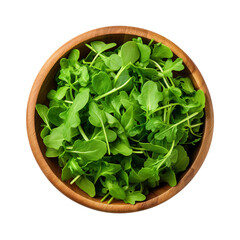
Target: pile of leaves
x: 122, y: 119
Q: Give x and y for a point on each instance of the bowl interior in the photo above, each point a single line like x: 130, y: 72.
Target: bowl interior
x: 49, y: 83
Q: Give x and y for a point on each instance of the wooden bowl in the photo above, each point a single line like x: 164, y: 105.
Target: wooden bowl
x: 45, y: 81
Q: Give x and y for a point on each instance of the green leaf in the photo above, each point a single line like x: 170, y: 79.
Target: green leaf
x: 101, y: 83
x: 71, y: 170
x: 145, y: 52
x: 55, y: 138
x: 107, y: 169
x: 132, y: 197
x: 86, y: 185
x: 169, y: 177
x: 187, y: 85
x: 61, y: 92
x: 89, y: 151
x: 143, y: 174
x: 113, y: 62
x: 100, y: 46
x: 153, y: 148
x: 129, y: 53
x: 111, y: 135
x: 196, y: 103
x: 172, y: 66
x: 150, y: 96
x: 167, y: 131
x: 74, y: 55
x: 127, y: 119
x: 115, y: 190
x: 72, y: 117
x: 83, y: 79
x: 161, y: 51
x: 126, y: 163
x: 97, y: 117
x: 42, y: 111
x: 119, y: 147
x: 45, y: 131
x: 53, y: 115
x: 182, y: 160
x: 52, y: 153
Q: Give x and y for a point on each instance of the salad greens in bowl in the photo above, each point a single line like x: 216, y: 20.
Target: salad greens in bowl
x: 122, y: 120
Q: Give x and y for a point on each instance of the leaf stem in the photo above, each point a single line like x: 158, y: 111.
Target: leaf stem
x: 75, y: 179
x: 196, y: 125
x: 149, y: 44
x: 106, y: 195
x: 113, y: 90
x: 68, y: 101
x: 137, y: 148
x: 165, y: 106
x: 166, y: 156
x: 111, y: 199
x: 69, y: 148
x: 190, y: 128
x: 105, y: 135
x: 161, y: 70
x: 83, y: 133
x: 176, y: 124
x: 94, y: 59
x: 134, y: 140
x: 138, y: 152
x: 119, y: 73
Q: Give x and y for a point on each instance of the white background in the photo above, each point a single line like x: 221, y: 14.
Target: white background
x: 31, y: 207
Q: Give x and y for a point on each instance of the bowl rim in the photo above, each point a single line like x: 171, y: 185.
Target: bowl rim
x: 120, y: 208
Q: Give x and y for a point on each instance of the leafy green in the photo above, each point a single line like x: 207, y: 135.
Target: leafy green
x: 101, y: 83
x: 122, y: 120
x: 161, y: 51
x: 91, y: 150
x: 129, y: 53
x: 150, y: 96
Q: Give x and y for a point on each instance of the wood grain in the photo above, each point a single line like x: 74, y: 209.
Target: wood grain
x: 45, y: 81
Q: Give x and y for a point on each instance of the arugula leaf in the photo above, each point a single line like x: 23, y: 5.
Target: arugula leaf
x: 71, y: 169
x: 101, y: 83
x: 91, y: 150
x: 83, y: 77
x: 86, y: 185
x: 119, y: 147
x: 150, y: 96
x: 53, y: 115
x: 111, y: 135
x: 127, y: 119
x: 161, y: 51
x: 129, y: 53
x: 172, y: 66
x: 52, y: 153
x: 100, y: 46
x: 107, y: 169
x: 72, y: 119
x: 97, y: 118
x: 132, y: 197
x: 153, y: 148
x: 169, y: 177
x: 182, y: 161
x: 55, y: 138
x: 145, y: 52
x: 115, y: 190
x: 42, y: 111
x: 187, y: 85
x: 113, y: 62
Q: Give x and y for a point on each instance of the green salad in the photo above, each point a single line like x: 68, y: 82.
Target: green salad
x: 122, y: 120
